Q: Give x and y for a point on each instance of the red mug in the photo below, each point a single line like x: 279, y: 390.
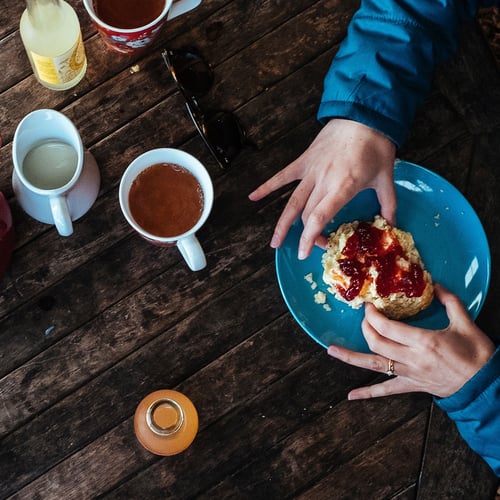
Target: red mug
x: 135, y: 40
x: 6, y: 235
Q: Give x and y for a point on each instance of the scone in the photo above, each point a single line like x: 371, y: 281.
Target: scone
x: 375, y: 262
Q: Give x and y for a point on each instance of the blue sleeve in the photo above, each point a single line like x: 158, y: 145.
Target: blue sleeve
x: 475, y: 408
x: 384, y: 68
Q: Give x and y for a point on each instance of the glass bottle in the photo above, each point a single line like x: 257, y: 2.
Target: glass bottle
x: 166, y: 422
x: 51, y: 35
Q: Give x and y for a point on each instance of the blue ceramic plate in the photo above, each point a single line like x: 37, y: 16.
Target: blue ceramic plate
x: 447, y: 233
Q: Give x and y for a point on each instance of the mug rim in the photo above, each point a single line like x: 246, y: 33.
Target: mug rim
x: 206, y: 184
x: 90, y: 10
x: 79, y: 151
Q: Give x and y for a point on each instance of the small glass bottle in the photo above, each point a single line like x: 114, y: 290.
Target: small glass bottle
x: 52, y: 37
x: 166, y: 422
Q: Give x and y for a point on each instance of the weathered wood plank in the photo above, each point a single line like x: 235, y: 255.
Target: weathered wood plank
x: 277, y: 412
x: 325, y: 447
x: 453, y: 479
x: 123, y: 143
x: 384, y: 467
x: 126, y: 325
x: 129, y: 318
x: 482, y: 191
x: 106, y: 224
x: 477, y: 97
x: 194, y: 343
x: 186, y: 346
x: 114, y: 274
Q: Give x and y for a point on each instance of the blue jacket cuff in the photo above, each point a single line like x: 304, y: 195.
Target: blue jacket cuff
x: 486, y: 380
x: 392, y: 129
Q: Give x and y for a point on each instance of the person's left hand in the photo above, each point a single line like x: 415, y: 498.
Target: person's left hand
x: 435, y: 361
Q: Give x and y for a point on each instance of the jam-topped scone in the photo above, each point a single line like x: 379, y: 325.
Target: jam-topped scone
x: 375, y: 262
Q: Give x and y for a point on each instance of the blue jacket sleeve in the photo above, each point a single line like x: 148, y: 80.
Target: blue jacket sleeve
x: 384, y: 67
x: 475, y: 408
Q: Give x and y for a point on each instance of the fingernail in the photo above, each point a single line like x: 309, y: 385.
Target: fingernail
x: 302, y: 254
x: 275, y: 241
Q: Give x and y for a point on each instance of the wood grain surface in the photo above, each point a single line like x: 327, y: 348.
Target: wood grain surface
x: 92, y: 323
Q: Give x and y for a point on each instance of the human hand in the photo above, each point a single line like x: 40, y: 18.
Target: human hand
x: 435, y: 361
x: 345, y: 158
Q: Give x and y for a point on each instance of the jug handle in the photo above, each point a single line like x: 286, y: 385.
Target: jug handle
x: 60, y: 214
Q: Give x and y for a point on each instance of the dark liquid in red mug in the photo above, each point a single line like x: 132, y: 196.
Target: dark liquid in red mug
x: 128, y: 14
x: 166, y: 200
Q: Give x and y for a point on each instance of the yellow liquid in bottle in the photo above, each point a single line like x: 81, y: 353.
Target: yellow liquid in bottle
x: 51, y: 35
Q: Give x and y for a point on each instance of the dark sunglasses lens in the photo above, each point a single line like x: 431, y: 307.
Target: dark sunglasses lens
x: 191, y: 71
x: 225, y: 134
x: 220, y: 131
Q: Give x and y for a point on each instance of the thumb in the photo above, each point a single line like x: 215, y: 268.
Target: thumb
x: 455, y: 310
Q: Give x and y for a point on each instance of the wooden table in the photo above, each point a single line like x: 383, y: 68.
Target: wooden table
x: 91, y: 323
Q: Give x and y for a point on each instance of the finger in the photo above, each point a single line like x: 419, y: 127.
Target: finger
x: 396, y: 385
x: 369, y: 361
x: 386, y: 195
x: 388, y: 329
x: 374, y: 362
x: 458, y: 315
x: 321, y: 241
x: 317, y: 220
x: 291, y: 211
x: 280, y: 179
x: 450, y: 301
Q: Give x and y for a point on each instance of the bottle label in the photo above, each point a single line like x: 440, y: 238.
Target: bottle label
x: 63, y: 68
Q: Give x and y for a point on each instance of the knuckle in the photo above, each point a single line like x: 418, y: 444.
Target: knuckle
x: 295, y: 202
x: 372, y: 341
x: 429, y: 343
x: 378, y: 365
x: 318, y: 218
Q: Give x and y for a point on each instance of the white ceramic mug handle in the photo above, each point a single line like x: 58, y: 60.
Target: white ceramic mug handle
x: 192, y: 252
x: 60, y: 214
x: 181, y: 6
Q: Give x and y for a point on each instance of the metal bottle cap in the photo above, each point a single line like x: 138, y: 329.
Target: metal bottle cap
x: 166, y: 422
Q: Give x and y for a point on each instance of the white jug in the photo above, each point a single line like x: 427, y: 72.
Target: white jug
x: 55, y: 181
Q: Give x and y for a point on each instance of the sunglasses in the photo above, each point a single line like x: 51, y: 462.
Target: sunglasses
x: 220, y: 130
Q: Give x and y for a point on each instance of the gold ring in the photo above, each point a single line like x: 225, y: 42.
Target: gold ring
x: 390, y: 368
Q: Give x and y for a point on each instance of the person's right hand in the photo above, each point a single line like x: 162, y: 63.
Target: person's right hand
x: 435, y: 361
x: 345, y: 158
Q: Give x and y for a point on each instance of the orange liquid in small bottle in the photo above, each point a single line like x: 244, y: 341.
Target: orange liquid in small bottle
x: 166, y: 422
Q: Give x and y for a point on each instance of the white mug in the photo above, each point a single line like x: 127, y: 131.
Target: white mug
x: 187, y: 242
x: 135, y: 40
x: 49, y: 196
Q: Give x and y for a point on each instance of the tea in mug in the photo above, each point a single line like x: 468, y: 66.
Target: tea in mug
x: 166, y: 200
x: 128, y: 14
x: 50, y: 164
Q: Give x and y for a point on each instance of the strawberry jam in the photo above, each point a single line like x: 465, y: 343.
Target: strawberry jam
x: 369, y: 246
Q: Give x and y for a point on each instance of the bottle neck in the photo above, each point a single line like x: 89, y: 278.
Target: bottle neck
x: 43, y: 13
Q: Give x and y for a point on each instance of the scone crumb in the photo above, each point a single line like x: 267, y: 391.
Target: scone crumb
x: 309, y: 278
x: 320, y: 297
